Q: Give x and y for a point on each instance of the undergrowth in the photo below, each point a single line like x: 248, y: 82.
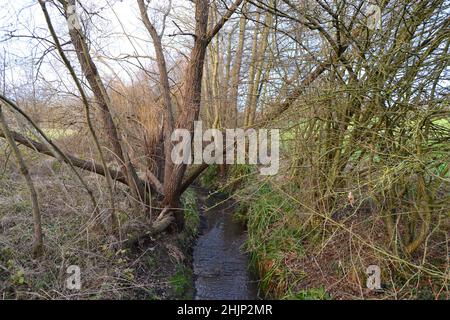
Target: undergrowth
x: 150, y: 268
x: 297, y: 258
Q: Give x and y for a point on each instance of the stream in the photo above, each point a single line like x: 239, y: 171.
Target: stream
x: 221, y: 267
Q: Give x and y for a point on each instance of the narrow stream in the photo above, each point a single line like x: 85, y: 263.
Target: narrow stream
x: 221, y: 268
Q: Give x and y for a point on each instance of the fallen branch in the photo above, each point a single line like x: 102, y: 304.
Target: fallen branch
x: 87, y: 165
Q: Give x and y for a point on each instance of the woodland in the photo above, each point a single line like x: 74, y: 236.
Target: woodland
x: 91, y: 92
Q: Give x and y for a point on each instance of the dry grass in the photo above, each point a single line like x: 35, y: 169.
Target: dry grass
x: 300, y: 259
x: 109, y: 269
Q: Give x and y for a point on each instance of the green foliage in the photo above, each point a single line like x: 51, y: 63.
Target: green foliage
x: 310, y: 294
x: 18, y: 278
x: 190, y: 210
x: 182, y: 282
x: 238, y: 175
x: 56, y: 166
x: 209, y: 178
x: 192, y: 219
x: 270, y: 239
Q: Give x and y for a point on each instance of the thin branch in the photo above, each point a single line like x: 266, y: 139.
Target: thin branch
x: 223, y: 20
x: 38, y: 242
x: 88, y: 165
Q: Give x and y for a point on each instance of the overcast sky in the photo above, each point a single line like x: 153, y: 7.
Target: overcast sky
x: 117, y: 31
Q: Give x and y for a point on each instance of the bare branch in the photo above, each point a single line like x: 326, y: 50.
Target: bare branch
x: 223, y: 20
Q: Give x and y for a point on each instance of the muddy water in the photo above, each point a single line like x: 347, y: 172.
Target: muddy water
x: 220, y: 265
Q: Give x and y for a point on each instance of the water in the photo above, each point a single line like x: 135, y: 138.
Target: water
x: 220, y: 265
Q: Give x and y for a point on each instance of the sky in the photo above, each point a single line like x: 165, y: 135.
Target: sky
x: 117, y: 30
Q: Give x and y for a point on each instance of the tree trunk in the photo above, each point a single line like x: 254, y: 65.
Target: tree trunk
x: 236, y: 71
x: 93, y: 77
x: 38, y: 243
x: 190, y: 108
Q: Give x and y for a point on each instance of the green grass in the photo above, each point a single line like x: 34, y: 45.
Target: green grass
x: 192, y: 219
x: 274, y: 234
x: 182, y: 282
x: 445, y: 123
x: 310, y: 294
x: 53, y: 133
x: 209, y: 177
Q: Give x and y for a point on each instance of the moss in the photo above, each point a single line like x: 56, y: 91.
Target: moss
x: 181, y: 282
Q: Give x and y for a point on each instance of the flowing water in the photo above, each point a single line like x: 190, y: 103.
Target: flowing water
x: 221, y: 267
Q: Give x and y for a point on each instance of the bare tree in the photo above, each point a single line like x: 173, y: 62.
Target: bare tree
x: 172, y: 186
